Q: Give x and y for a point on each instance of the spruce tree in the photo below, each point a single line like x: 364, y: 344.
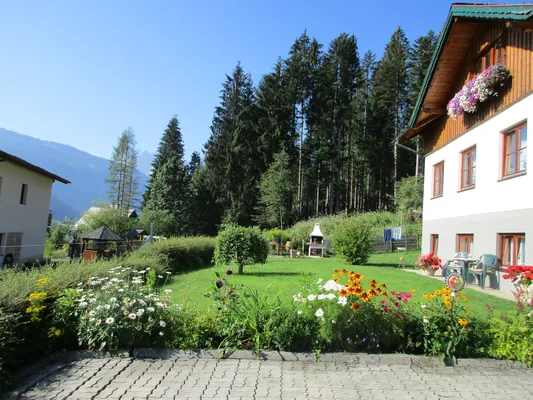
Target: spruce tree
x: 232, y: 158
x: 171, y: 145
x: 168, y: 189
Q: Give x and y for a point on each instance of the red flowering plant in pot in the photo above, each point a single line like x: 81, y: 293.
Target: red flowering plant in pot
x: 522, y: 278
x: 430, y: 263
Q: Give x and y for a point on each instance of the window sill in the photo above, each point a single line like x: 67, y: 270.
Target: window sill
x: 436, y: 197
x: 516, y: 175
x: 465, y: 189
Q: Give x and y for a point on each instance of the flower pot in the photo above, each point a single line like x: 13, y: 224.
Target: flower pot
x: 429, y: 271
x: 294, y: 253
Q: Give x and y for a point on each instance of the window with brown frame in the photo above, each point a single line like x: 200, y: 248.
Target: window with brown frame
x: 512, y: 248
x: 465, y: 243
x: 514, y: 150
x: 468, y: 168
x: 492, y: 55
x: 434, y: 244
x: 438, y: 179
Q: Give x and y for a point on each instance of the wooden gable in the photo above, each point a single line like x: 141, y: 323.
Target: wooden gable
x: 518, y: 58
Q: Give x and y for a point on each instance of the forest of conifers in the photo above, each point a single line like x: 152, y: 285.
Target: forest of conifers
x: 314, y: 137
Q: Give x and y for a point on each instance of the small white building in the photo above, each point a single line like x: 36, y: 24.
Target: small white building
x: 25, y: 191
x: 478, y: 193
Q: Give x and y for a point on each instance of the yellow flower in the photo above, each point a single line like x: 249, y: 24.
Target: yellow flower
x: 37, y: 296
x: 462, y: 322
x: 412, y: 291
x: 468, y: 310
x: 54, y: 332
x: 43, y: 281
x: 437, y: 292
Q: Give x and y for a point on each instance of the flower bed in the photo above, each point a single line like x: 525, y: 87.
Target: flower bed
x: 429, y: 263
x: 477, y: 90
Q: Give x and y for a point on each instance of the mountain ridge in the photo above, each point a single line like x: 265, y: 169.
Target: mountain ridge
x: 87, y: 172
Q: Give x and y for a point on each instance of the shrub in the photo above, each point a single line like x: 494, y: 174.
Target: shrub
x: 10, y: 324
x: 352, y: 241
x: 181, y: 253
x: 240, y: 246
x: 512, y: 338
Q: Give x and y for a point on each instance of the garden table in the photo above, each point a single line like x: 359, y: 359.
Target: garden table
x: 466, y: 262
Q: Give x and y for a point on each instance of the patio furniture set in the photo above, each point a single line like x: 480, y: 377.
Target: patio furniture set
x: 475, y: 271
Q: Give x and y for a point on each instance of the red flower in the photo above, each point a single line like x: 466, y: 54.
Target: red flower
x: 219, y: 283
x: 230, y: 292
x: 229, y: 272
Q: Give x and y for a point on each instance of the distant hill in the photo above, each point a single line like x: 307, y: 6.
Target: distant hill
x: 86, y: 172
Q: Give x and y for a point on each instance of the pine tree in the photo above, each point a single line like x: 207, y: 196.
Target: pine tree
x: 123, y: 181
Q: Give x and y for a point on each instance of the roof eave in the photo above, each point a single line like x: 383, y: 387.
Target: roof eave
x: 456, y: 11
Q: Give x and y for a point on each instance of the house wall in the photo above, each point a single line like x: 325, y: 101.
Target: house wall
x: 30, y: 219
x: 495, y: 205
x: 518, y: 59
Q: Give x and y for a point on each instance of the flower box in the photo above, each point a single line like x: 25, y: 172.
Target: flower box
x: 477, y: 90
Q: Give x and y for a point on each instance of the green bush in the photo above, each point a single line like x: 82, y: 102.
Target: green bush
x: 277, y: 235
x: 512, y: 338
x: 240, y: 246
x: 352, y: 241
x: 10, y: 326
x: 180, y: 253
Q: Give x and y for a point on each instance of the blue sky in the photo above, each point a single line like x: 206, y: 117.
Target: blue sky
x: 80, y: 72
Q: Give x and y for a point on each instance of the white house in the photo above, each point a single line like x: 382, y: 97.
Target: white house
x: 25, y: 191
x: 478, y: 193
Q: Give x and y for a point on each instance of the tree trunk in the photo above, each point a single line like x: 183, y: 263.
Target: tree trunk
x: 241, y: 269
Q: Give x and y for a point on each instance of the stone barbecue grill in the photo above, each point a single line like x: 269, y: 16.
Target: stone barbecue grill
x: 316, y: 244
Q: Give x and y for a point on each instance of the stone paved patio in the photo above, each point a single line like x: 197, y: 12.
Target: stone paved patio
x: 129, y: 379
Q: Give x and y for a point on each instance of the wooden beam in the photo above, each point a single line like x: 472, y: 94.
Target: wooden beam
x: 525, y: 26
x: 433, y: 110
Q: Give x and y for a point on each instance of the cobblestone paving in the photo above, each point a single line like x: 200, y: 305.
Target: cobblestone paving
x: 132, y: 379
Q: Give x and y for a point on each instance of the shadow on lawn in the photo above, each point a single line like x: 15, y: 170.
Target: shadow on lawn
x: 281, y: 273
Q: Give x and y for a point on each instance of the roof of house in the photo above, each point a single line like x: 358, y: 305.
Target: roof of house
x: 132, y: 213
x: 471, y: 12
x: 103, y: 233
x: 23, y: 163
x: 136, y: 233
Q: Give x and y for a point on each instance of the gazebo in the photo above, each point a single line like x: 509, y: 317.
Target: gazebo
x: 99, y: 243
x: 135, y: 238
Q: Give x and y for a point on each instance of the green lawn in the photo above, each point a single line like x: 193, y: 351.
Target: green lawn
x: 285, y: 277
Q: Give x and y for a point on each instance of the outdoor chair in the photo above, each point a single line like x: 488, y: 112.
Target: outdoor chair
x: 488, y: 265
x: 447, y: 266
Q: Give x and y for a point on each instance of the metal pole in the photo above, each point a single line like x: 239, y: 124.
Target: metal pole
x: 151, y: 238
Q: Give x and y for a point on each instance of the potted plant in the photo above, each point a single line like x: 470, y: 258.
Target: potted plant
x: 429, y: 263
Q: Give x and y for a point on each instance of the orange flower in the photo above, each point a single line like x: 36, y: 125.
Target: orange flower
x: 384, y: 294
x: 336, y: 280
x: 384, y: 286
x: 357, y: 277
x: 371, y: 293
x: 373, y: 283
x: 355, y: 307
x: 343, y: 292
x: 462, y: 322
x: 358, y: 290
x: 365, y: 297
x: 337, y: 271
x: 344, y: 272
x: 378, y: 290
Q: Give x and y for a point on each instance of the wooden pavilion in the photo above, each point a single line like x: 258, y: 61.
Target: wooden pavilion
x: 102, y: 242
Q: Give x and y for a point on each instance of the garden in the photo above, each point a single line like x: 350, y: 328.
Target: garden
x: 169, y: 295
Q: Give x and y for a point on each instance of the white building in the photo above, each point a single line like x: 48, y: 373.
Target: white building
x: 25, y: 191
x: 478, y: 194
